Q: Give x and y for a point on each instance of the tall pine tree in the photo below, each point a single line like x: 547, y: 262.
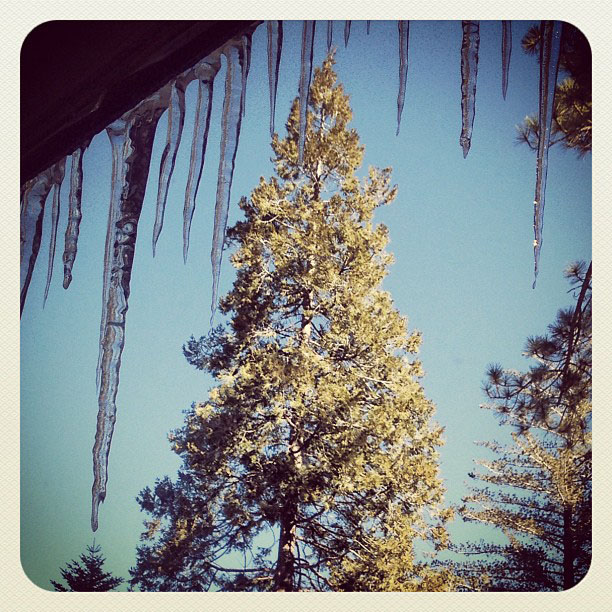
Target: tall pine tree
x: 314, y: 461
x: 538, y: 490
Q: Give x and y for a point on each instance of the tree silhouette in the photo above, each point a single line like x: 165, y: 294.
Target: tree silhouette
x: 87, y: 575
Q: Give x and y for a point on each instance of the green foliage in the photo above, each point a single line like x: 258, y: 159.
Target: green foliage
x: 538, y: 490
x: 313, y: 461
x: 87, y: 575
x: 572, y: 121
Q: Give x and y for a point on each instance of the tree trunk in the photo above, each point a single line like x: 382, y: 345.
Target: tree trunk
x: 285, y: 565
x: 568, y: 548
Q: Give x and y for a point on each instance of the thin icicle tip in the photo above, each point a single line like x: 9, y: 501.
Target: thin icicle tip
x: 275, y: 46
x: 469, y: 72
x: 230, y: 134
x: 403, y: 30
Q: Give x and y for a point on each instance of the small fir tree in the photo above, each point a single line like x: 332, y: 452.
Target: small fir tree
x: 87, y: 575
x: 541, y: 485
x: 314, y: 459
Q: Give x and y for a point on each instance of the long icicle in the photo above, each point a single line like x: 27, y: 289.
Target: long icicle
x: 469, y: 73
x: 33, y: 199
x: 368, y: 27
x: 205, y: 72
x: 275, y: 47
x: 550, y: 48
x: 132, y: 142
x: 58, y: 177
x: 74, y: 213
x: 176, y: 121
x: 308, y: 31
x: 230, y: 134
x: 330, y: 34
x: 246, y: 66
x: 506, y: 51
x: 347, y: 31
x: 403, y: 28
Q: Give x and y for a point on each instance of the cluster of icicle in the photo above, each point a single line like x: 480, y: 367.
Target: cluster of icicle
x: 131, y: 137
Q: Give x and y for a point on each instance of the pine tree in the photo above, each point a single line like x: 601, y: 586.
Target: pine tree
x: 87, y: 575
x: 313, y: 461
x: 541, y: 495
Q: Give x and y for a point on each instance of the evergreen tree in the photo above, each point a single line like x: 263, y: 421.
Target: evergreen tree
x: 572, y: 114
x: 313, y: 461
x: 541, y: 495
x: 87, y: 575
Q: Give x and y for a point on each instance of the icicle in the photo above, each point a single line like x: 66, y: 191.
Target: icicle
x: 33, y: 199
x: 330, y: 34
x: 347, y: 31
x: 74, y: 213
x: 506, y: 51
x: 275, y: 47
x: 246, y: 66
x: 549, y: 66
x: 205, y: 72
x: 368, y: 27
x: 230, y: 133
x: 176, y: 121
x: 469, y: 72
x: 132, y: 141
x: 403, y: 27
x: 304, y: 87
x: 58, y: 176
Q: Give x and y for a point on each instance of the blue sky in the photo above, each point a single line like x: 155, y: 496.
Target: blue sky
x: 460, y: 230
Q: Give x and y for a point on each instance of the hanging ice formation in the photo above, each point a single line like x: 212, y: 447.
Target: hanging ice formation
x: 549, y: 66
x: 246, y: 66
x: 347, y: 31
x: 235, y: 83
x: 275, y: 47
x: 58, y: 177
x: 330, y: 34
x: 33, y: 197
x: 403, y: 28
x: 74, y: 213
x: 308, y: 31
x: 132, y: 141
x: 176, y: 121
x: 368, y: 26
x: 205, y: 72
x: 469, y: 72
x: 506, y: 51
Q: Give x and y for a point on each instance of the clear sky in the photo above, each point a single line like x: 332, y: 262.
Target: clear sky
x: 460, y: 230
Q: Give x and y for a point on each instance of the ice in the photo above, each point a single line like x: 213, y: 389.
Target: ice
x: 506, y: 50
x: 33, y: 199
x: 246, y: 65
x: 403, y: 27
x: 347, y: 31
x: 469, y: 73
x: 368, y: 26
x: 132, y: 141
x: 74, y: 213
x: 304, y: 87
x: 549, y: 67
x: 330, y: 34
x: 230, y: 133
x: 58, y: 176
x: 275, y: 46
x: 176, y: 121
x: 205, y: 73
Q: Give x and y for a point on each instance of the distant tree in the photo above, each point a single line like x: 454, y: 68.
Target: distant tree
x: 87, y: 575
x: 572, y: 122
x: 541, y: 485
x: 313, y: 461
